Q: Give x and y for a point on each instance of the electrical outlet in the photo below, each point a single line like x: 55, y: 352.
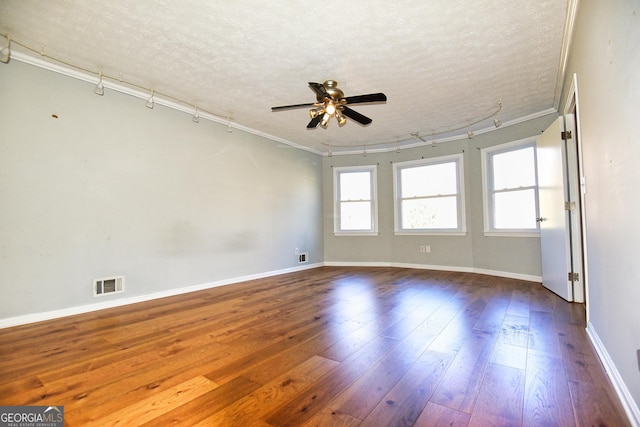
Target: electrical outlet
x: 297, y: 251
x: 425, y: 249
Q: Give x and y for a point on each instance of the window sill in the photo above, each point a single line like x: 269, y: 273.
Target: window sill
x: 430, y: 233
x: 511, y: 234
x: 355, y: 233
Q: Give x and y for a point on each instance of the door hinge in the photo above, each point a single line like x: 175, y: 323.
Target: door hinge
x: 574, y: 277
x: 569, y: 206
x: 565, y: 135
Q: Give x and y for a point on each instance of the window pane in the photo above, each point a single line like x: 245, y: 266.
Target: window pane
x: 515, y: 209
x: 514, y: 169
x: 355, y: 216
x: 439, y: 212
x: 428, y: 180
x: 355, y: 186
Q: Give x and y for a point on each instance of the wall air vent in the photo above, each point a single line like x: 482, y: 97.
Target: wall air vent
x: 109, y: 285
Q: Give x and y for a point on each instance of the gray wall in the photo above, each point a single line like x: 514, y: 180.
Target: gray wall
x: 605, y: 55
x: 113, y: 188
x: 512, y: 256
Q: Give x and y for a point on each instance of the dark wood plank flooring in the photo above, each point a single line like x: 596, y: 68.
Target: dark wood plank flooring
x: 324, y: 347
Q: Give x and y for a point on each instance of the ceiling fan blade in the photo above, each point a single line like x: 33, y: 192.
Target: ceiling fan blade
x: 360, y: 99
x: 320, y: 90
x: 290, y: 107
x: 315, y: 122
x: 354, y: 115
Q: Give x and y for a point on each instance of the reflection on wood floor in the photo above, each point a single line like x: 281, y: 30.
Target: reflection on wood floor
x: 331, y: 346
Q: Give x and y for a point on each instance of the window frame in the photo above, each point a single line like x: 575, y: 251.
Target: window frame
x: 461, y: 230
x: 488, y: 192
x: 373, y: 175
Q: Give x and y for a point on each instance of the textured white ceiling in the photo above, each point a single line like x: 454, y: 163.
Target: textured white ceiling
x: 441, y: 63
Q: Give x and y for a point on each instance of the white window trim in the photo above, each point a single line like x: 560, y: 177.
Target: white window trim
x: 487, y: 211
x: 337, y: 170
x: 462, y: 221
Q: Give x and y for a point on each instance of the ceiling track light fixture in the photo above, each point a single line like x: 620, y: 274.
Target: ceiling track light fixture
x: 150, y: 101
x: 5, y: 52
x: 470, y: 134
x: 99, y: 90
x: 196, y: 115
x: 416, y: 135
x: 496, y: 121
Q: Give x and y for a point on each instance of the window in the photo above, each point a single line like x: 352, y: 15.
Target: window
x: 510, y: 187
x: 355, y: 200
x: 429, y: 196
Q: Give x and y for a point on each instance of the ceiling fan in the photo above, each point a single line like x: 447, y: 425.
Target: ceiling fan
x: 332, y: 102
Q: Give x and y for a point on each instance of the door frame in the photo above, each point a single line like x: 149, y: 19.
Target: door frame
x: 577, y: 185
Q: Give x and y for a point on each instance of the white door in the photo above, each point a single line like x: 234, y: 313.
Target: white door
x: 554, y: 228
x: 574, y: 211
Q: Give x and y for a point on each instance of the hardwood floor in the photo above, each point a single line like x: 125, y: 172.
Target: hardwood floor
x: 329, y: 347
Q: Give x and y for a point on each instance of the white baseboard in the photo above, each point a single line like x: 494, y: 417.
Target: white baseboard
x: 54, y: 314
x: 507, y: 274
x: 356, y: 264
x: 630, y: 406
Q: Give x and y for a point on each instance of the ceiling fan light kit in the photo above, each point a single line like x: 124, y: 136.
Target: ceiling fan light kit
x: 331, y: 102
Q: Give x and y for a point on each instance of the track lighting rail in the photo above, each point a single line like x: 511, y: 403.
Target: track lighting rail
x: 5, y: 54
x: 430, y: 135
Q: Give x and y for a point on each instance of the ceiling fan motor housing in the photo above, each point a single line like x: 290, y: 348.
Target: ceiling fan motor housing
x: 332, y: 89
